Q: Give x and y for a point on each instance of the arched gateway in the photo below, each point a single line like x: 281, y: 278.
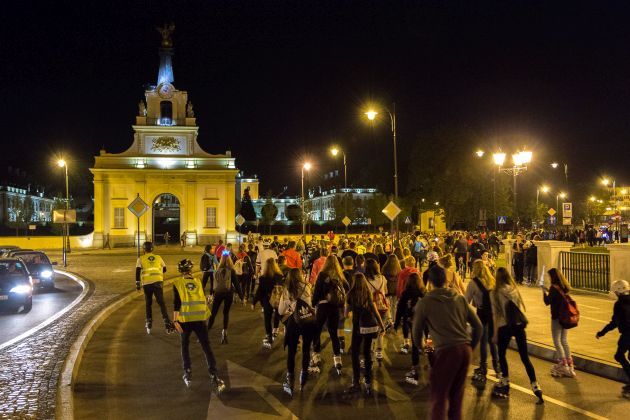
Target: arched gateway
x: 168, y: 169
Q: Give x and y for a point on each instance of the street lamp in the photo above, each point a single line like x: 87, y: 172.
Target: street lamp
x: 613, y: 198
x: 371, y: 115
x: 335, y: 152
x: 519, y: 161
x: 544, y: 189
x: 480, y: 153
x: 555, y: 165
x: 305, y: 167
x: 63, y: 164
x: 560, y: 195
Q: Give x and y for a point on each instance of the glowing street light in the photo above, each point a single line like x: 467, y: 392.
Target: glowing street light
x: 558, y: 196
x: 480, y: 153
x: 335, y: 151
x: 555, y: 165
x: 306, y: 166
x: 499, y: 158
x: 63, y: 164
x: 371, y: 115
x: 520, y: 160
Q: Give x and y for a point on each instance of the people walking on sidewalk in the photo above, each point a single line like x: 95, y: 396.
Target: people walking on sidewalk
x: 244, y: 272
x: 509, y: 321
x: 329, y: 297
x: 555, y: 297
x: 366, y: 324
x: 447, y: 315
x: 225, y: 284
x: 478, y: 293
x: 296, y: 290
x: 378, y: 287
x: 150, y: 269
x: 621, y: 321
x: 271, y: 281
x: 208, y: 265
x: 190, y: 312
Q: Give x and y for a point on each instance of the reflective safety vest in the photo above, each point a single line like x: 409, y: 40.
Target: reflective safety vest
x: 152, y: 271
x: 194, y: 307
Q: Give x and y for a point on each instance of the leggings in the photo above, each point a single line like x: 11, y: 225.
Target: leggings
x: 150, y: 290
x: 225, y: 298
x: 245, y: 280
x: 208, y: 275
x: 486, y: 341
x: 505, y: 333
x: 357, y: 339
x: 560, y: 342
x: 623, y: 348
x: 270, y: 313
x: 199, y: 328
x: 293, y: 333
x: 327, y: 314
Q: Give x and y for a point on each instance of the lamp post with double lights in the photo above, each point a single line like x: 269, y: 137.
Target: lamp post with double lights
x: 371, y: 115
x: 63, y: 164
x: 519, y: 165
x: 335, y: 151
x: 305, y: 167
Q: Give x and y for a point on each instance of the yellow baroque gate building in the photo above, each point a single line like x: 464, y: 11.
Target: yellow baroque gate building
x: 190, y: 193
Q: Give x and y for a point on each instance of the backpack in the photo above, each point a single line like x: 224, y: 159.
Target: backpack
x: 238, y: 267
x: 276, y: 296
x: 514, y: 316
x: 368, y: 324
x: 485, y: 311
x: 304, y: 314
x: 223, y: 281
x: 379, y: 299
x: 336, y: 293
x: 568, y: 314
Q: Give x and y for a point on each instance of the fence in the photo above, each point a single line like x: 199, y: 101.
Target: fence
x: 586, y: 270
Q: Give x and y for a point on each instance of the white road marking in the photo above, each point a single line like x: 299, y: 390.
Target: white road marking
x: 593, y: 319
x: 55, y: 316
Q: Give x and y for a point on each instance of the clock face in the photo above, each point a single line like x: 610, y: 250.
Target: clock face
x: 165, y: 90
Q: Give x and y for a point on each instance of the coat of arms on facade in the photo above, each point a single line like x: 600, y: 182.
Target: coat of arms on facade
x: 165, y: 145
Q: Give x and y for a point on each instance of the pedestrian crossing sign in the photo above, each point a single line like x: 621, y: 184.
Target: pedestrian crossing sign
x: 502, y: 220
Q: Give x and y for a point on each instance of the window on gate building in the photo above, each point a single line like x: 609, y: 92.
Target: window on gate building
x: 211, y: 217
x: 119, y: 217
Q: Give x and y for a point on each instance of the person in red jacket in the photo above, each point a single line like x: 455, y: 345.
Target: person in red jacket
x: 403, y: 276
x: 293, y: 258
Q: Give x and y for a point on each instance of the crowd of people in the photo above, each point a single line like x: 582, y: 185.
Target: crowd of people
x: 444, y: 293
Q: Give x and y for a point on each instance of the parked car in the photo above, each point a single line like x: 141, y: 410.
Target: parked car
x: 16, y: 287
x: 39, y: 267
x: 5, y: 249
x: 11, y: 253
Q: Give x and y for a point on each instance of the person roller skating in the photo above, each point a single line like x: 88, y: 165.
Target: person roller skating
x: 190, y: 315
x: 413, y: 291
x: 150, y: 269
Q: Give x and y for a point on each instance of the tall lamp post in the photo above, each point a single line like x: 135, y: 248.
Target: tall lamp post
x: 63, y: 164
x: 305, y: 167
x: 606, y: 182
x: 544, y: 189
x: 519, y: 165
x: 335, y: 152
x: 560, y: 195
x: 556, y: 165
x: 371, y: 115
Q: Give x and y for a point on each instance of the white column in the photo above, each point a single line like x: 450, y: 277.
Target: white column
x: 619, y: 263
x: 549, y: 253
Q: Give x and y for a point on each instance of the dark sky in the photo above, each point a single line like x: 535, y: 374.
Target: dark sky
x: 275, y: 81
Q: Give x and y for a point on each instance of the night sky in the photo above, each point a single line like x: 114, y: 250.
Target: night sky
x: 277, y: 81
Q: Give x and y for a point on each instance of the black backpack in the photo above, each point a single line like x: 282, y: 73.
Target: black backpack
x: 485, y: 312
x: 336, y: 294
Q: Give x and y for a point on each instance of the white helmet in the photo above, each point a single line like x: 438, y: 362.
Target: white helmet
x: 620, y: 287
x: 266, y: 243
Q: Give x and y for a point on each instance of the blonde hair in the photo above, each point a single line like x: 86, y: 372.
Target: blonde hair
x: 481, y: 271
x: 272, y: 268
x: 226, y: 262
x: 332, y: 268
x: 446, y: 261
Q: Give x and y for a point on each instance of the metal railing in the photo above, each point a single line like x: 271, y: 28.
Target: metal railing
x: 586, y: 270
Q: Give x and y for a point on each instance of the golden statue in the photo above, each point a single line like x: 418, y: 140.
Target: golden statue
x: 166, y: 31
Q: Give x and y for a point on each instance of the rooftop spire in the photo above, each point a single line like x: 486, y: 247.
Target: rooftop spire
x: 165, y: 73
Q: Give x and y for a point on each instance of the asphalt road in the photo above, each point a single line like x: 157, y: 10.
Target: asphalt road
x: 45, y: 305
x: 126, y: 374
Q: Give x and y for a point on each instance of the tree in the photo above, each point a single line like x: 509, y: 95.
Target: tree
x: 294, y: 212
x: 269, y: 212
x: 23, y: 210
x: 247, y: 207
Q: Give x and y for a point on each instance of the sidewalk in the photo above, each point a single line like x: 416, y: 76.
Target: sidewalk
x: 591, y: 355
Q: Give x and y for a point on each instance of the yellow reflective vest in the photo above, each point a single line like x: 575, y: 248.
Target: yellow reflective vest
x: 152, y: 270
x: 194, y: 306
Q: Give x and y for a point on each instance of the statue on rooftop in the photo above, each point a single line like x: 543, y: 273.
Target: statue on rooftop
x: 166, y: 31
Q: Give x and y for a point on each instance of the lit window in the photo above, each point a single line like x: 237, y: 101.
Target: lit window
x: 119, y: 217
x: 211, y: 217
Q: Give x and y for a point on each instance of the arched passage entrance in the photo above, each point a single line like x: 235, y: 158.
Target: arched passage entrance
x: 166, y: 219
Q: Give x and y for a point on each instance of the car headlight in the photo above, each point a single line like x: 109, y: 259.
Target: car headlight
x: 22, y: 289
x: 46, y: 274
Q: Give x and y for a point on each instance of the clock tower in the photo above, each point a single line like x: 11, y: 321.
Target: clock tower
x: 190, y: 192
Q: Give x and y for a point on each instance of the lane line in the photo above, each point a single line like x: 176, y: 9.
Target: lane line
x: 594, y: 319
x: 549, y: 399
x: 56, y: 316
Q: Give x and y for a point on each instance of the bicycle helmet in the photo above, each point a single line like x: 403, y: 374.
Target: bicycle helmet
x: 185, y: 266
x: 620, y: 287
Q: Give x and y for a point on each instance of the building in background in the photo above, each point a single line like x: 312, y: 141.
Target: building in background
x: 190, y: 192
x: 21, y: 205
x: 324, y: 206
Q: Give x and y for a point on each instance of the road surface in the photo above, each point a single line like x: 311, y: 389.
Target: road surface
x: 126, y: 373
x: 45, y: 305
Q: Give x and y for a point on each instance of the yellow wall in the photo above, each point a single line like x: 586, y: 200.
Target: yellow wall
x: 438, y: 220
x: 46, y: 242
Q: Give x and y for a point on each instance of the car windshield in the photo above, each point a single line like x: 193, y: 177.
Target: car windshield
x: 12, y: 268
x: 33, y: 258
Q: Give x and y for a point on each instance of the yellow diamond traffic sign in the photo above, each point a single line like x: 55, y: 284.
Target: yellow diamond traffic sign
x: 391, y: 210
x: 551, y: 212
x: 138, y: 207
x: 346, y: 221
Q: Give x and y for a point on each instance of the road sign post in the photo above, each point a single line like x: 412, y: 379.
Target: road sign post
x: 239, y: 221
x: 138, y: 207
x: 391, y: 210
x: 65, y: 217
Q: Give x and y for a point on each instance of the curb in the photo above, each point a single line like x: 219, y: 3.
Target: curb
x: 65, y: 399
x: 582, y: 363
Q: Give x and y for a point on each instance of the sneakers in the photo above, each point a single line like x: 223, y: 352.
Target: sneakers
x: 267, y: 343
x: 412, y: 376
x: 187, y: 377
x: 287, y: 386
x: 224, y: 337
x: 538, y: 392
x: 337, y: 363
x: 148, y: 325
